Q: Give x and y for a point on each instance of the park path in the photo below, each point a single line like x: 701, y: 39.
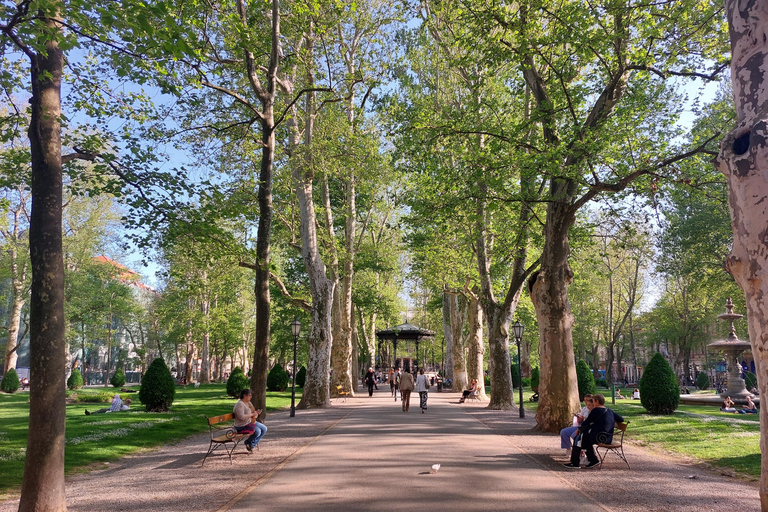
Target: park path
x: 367, y: 454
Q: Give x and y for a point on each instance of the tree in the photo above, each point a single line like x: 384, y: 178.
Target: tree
x: 659, y: 390
x: 75, y: 380
x: 585, y: 379
x: 237, y: 382
x: 157, y: 387
x: 10, y: 382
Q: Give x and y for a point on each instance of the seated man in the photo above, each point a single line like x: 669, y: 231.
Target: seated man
x: 567, y: 434
x: 596, y: 429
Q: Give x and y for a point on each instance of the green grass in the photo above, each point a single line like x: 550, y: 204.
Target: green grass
x: 721, y: 439
x: 105, y: 437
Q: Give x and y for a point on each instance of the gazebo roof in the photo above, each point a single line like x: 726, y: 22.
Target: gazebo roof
x: 404, y: 331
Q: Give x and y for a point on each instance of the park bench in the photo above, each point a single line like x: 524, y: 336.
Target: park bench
x: 616, y: 446
x: 221, y: 436
x: 473, y: 396
x: 341, y: 394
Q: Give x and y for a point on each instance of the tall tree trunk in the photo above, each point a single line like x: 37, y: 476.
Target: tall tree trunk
x: 189, y: 363
x: 205, y: 347
x: 558, y: 389
x: 447, y: 334
x: 458, y: 312
x: 43, y: 481
x: 109, y: 350
x: 475, y: 345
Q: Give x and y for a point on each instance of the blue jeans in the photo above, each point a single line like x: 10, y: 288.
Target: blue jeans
x: 566, y: 437
x: 254, y: 438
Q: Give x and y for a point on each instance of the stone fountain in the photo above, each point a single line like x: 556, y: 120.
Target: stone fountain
x: 732, y: 348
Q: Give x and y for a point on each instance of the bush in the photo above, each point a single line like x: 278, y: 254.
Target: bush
x: 526, y: 382
x: 301, y: 377
x: 702, y: 381
x: 601, y: 382
x: 585, y: 379
x: 535, y: 379
x: 237, y: 382
x: 75, y: 380
x: 10, y: 382
x: 515, y: 376
x: 487, y: 381
x: 659, y: 390
x: 118, y: 378
x: 157, y: 387
x: 750, y: 379
x: 277, y: 378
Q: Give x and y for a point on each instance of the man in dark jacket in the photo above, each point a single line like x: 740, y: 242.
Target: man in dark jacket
x: 597, y: 428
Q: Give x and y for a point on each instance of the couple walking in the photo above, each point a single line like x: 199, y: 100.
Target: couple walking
x: 421, y: 386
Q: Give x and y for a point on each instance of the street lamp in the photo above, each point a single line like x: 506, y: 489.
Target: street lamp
x: 517, y: 331
x: 295, y: 330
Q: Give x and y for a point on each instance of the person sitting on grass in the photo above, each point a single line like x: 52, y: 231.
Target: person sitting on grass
x: 749, y: 407
x: 246, y: 420
x: 618, y: 395
x: 596, y: 429
x: 728, y: 405
x: 117, y: 406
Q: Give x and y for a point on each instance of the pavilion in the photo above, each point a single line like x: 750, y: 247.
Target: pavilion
x: 407, y: 332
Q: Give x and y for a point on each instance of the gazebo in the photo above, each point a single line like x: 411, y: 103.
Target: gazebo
x: 404, y: 331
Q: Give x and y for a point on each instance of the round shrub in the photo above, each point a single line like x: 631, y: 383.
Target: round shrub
x: 118, y: 378
x: 75, y: 380
x: 277, y: 378
x: 515, y: 376
x: 659, y: 390
x: 601, y: 382
x: 535, y: 375
x: 585, y: 379
x: 236, y: 382
x: 10, y: 382
x: 157, y: 387
x: 702, y: 381
x: 301, y: 377
x: 750, y: 379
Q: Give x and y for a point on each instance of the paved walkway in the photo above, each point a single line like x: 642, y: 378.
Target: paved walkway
x: 369, y: 455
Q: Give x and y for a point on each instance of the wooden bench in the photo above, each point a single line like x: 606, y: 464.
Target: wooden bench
x: 616, y: 446
x: 222, y: 436
x: 341, y: 394
x: 473, y: 396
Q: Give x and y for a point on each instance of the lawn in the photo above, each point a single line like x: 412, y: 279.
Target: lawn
x: 725, y: 440
x: 106, y: 437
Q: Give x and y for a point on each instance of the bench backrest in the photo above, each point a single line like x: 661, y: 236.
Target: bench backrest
x: 213, y: 420
x: 622, y: 426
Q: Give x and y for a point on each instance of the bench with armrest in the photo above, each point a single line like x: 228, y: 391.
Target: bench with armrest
x: 341, y: 394
x: 473, y: 395
x: 222, y: 436
x: 616, y: 446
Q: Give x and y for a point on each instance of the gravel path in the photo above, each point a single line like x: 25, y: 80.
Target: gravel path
x: 369, y: 437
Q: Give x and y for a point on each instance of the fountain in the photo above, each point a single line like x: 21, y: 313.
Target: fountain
x: 732, y: 348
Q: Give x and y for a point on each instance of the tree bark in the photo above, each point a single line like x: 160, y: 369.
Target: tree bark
x: 458, y: 314
x: 205, y: 348
x: 475, y: 345
x: 447, y: 334
x: 43, y: 481
x: 743, y: 159
x: 558, y: 389
x: 18, y: 283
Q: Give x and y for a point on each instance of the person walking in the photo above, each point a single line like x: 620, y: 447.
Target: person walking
x: 422, y: 387
x: 398, y: 374
x: 391, y: 378
x: 369, y: 380
x: 406, y: 386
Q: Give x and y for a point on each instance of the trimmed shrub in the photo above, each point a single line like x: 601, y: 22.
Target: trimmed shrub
x: 585, y: 379
x: 515, y: 376
x: 10, y: 382
x: 535, y: 379
x: 702, y: 381
x: 659, y: 390
x: 75, y: 380
x: 602, y: 383
x: 750, y: 379
x: 301, y: 377
x: 118, y: 378
x: 237, y: 382
x: 277, y: 378
x: 526, y: 382
x: 157, y: 387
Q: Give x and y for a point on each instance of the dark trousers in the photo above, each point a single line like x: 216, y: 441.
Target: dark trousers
x: 587, y: 444
x: 370, y: 389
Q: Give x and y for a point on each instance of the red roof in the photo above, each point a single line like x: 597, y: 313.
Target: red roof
x: 126, y: 274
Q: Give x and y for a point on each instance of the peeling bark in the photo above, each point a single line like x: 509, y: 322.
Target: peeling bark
x: 743, y: 159
x: 475, y: 345
x: 447, y: 335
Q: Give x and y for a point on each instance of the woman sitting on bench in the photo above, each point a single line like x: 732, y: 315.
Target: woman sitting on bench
x: 467, y: 392
x: 245, y: 420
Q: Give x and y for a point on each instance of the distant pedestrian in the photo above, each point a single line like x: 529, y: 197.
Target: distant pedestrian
x: 422, y: 386
x: 398, y: 374
x: 391, y: 378
x: 369, y: 380
x: 406, y: 386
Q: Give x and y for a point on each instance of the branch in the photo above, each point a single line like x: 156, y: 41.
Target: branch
x: 296, y: 302
x: 666, y: 74
x: 78, y: 155
x: 296, y: 98
x: 234, y: 95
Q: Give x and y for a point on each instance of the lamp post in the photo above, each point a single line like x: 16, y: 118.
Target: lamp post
x: 295, y: 330
x: 517, y: 331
